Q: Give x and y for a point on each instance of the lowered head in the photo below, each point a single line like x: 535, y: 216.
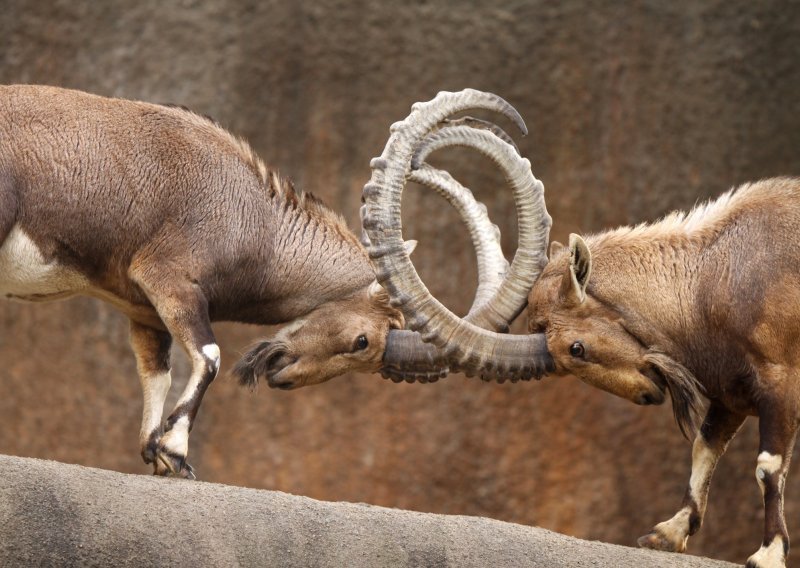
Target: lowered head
x: 338, y: 337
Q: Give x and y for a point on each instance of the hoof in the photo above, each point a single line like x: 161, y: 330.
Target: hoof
x: 772, y: 556
x: 657, y: 541
x: 172, y: 465
x: 758, y: 564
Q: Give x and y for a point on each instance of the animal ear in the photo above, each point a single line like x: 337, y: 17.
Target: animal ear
x: 555, y: 248
x: 409, y: 246
x: 580, y: 269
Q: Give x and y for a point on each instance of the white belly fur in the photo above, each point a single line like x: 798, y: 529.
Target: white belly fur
x: 26, y: 275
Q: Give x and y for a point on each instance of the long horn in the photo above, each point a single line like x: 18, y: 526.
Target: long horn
x: 475, y: 123
x: 510, y: 299
x: 467, y: 346
x: 407, y: 357
x: 492, y: 265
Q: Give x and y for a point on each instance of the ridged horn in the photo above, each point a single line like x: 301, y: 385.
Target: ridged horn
x: 511, y: 297
x: 407, y: 357
x: 485, y: 236
x: 475, y: 123
x: 464, y: 344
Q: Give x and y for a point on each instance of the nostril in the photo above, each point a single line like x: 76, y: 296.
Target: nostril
x: 273, y: 357
x: 278, y: 360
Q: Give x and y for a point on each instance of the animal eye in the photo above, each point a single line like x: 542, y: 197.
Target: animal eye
x: 361, y: 343
x: 577, y: 349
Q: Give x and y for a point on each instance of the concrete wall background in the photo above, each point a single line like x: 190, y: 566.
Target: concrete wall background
x: 635, y: 108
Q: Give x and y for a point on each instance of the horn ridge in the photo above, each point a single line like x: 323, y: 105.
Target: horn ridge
x: 465, y: 345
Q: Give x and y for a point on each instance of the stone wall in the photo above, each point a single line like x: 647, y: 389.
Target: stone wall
x: 634, y: 109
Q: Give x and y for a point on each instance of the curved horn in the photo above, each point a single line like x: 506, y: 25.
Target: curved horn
x: 512, y: 296
x: 407, y: 357
x: 476, y: 123
x: 492, y: 265
x: 471, y: 348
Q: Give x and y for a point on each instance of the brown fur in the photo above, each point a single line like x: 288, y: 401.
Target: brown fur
x: 176, y: 222
x: 708, y: 302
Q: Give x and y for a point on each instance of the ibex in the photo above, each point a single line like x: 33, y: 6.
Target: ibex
x: 696, y: 304
x: 177, y: 223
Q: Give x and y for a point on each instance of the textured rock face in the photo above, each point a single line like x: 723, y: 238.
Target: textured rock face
x: 633, y: 111
x: 53, y: 514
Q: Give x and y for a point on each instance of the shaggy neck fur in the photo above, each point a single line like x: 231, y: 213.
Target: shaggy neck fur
x: 313, y: 257
x: 317, y: 258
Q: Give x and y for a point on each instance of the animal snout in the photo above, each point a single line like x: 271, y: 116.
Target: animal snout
x: 281, y: 381
x: 275, y: 365
x: 657, y: 390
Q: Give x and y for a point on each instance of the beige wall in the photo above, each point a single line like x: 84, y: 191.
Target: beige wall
x: 634, y: 109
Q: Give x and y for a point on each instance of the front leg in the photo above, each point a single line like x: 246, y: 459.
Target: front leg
x: 777, y: 429
x: 151, y: 348
x: 719, y: 427
x: 183, y: 308
x: 174, y: 444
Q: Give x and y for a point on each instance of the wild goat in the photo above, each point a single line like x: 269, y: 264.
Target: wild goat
x: 697, y: 304
x: 171, y: 219
x: 177, y: 223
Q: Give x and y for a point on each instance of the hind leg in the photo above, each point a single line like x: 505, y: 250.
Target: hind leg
x: 151, y: 347
x: 719, y: 427
x: 778, y: 419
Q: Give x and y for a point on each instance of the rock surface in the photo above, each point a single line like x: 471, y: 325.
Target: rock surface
x: 52, y: 514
